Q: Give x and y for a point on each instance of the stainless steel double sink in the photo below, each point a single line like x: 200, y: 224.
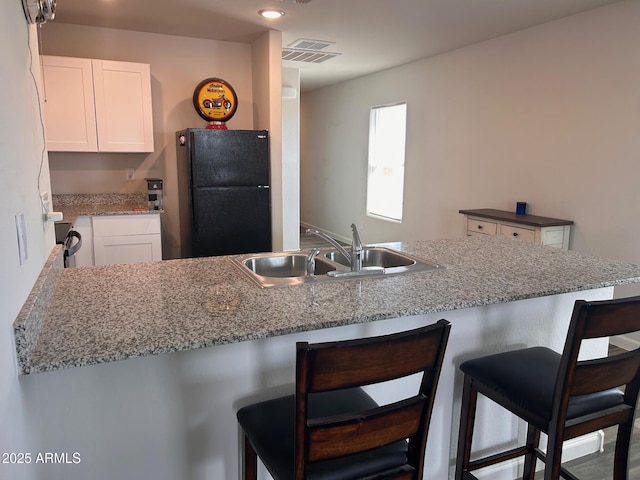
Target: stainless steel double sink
x: 291, y: 268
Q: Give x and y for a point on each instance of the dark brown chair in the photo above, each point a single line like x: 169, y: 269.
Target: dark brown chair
x: 557, y: 394
x: 331, y: 429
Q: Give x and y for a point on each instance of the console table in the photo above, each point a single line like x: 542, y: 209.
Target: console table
x: 553, y: 232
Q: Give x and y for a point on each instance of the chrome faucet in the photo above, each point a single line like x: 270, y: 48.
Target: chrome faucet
x: 356, y: 249
x: 311, y: 262
x: 331, y: 240
x: 355, y: 257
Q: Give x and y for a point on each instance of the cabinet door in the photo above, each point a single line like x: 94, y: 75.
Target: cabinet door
x: 84, y: 256
x: 123, y: 106
x: 68, y: 105
x: 126, y: 238
x: 127, y: 249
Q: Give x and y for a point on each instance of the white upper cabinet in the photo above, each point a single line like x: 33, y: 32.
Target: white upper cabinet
x: 123, y: 106
x: 97, y: 105
x: 70, y: 117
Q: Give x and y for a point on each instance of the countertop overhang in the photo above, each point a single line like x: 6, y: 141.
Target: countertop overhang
x: 93, y: 315
x: 74, y: 205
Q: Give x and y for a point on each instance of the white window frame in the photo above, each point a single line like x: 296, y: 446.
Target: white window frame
x: 386, y: 163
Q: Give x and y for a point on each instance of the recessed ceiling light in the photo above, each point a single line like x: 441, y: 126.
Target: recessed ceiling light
x: 268, y: 13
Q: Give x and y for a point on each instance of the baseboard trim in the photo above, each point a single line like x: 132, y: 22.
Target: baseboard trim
x: 572, y: 449
x: 623, y: 341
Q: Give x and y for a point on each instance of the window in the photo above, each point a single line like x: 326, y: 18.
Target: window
x: 385, y: 178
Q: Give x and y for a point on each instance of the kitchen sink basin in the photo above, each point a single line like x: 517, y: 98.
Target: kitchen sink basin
x: 376, y: 257
x: 285, y: 266
x: 389, y: 260
x: 282, y: 269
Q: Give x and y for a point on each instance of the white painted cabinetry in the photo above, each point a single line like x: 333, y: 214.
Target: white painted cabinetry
x: 553, y: 232
x: 126, y: 239
x: 111, y: 239
x: 97, y: 105
x: 84, y: 256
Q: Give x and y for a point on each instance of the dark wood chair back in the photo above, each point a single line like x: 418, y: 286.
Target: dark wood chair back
x: 595, y: 320
x: 559, y: 394
x: 354, y: 363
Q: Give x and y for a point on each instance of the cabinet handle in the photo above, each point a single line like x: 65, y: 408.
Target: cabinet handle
x: 515, y: 234
x: 479, y: 227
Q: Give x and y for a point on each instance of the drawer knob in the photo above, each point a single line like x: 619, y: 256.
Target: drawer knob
x: 479, y: 227
x: 515, y: 234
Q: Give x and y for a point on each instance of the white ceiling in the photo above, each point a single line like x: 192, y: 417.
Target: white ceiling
x: 370, y: 35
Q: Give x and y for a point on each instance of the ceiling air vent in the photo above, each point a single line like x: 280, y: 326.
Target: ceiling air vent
x: 308, y: 44
x: 309, y: 51
x: 299, y: 55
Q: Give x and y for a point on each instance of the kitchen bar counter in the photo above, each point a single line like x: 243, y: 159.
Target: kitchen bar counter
x: 93, y: 315
x: 498, y: 294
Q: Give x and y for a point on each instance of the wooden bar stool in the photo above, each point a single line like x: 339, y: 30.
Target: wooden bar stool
x: 331, y: 429
x: 557, y: 394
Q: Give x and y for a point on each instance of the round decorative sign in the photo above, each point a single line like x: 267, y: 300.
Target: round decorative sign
x: 215, y: 100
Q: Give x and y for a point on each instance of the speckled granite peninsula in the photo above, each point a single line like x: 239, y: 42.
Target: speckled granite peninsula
x: 92, y: 315
x: 498, y: 294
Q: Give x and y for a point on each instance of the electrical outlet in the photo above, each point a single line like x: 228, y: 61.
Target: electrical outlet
x: 21, y: 229
x: 131, y: 173
x: 46, y: 203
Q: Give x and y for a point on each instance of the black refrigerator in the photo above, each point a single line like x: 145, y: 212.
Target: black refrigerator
x: 224, y: 191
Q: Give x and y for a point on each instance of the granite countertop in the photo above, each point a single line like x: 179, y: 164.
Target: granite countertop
x: 73, y: 205
x: 93, y: 315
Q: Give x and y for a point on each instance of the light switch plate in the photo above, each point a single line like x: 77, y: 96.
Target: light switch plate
x: 21, y: 229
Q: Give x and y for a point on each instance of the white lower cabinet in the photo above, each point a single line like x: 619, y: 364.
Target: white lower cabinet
x: 84, y: 256
x: 120, y: 239
x: 126, y: 239
x: 126, y: 249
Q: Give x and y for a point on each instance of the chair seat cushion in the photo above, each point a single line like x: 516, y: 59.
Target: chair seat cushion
x: 527, y: 378
x: 270, y: 428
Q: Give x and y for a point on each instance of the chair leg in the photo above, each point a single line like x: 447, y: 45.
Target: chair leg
x: 533, y: 439
x: 553, y: 462
x: 465, y: 434
x: 250, y: 461
x: 621, y: 456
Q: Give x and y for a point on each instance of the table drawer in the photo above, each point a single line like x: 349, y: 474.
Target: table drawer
x: 481, y: 226
x: 523, y: 234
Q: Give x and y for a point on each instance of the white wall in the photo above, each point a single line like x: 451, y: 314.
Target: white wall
x: 21, y: 163
x: 267, y: 92
x: 548, y: 116
x: 291, y: 158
